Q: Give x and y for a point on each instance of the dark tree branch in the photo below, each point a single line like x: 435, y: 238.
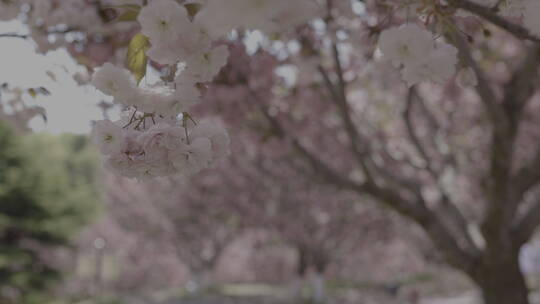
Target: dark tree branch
x: 407, y: 117
x: 501, y: 154
x: 505, y: 119
x: 461, y: 257
x: 358, y: 147
x: 522, y: 85
x: 517, y: 93
x: 506, y: 194
x: 491, y: 16
x: 484, y: 90
x: 329, y: 174
x: 413, y: 208
x: 403, y: 196
x: 459, y: 222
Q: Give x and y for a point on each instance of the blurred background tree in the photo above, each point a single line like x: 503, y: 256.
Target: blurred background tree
x: 47, y: 192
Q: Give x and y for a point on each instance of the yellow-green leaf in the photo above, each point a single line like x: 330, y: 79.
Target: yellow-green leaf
x: 32, y: 93
x: 136, y: 56
x: 128, y: 15
x: 193, y: 8
x: 275, y: 37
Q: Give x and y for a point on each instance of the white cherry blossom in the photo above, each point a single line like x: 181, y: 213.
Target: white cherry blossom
x: 406, y: 44
x: 439, y: 65
x: 115, y: 82
x: 161, y: 20
x: 218, y: 138
x: 194, y: 157
x: 108, y: 136
x: 205, y: 66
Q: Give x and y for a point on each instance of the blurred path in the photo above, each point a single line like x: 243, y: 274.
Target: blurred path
x: 467, y: 298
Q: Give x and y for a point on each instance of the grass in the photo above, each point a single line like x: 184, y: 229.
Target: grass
x: 251, y: 290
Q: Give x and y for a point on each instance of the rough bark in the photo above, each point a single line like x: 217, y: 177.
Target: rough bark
x: 503, y: 283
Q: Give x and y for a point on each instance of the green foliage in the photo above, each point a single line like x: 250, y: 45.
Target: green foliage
x: 47, y: 192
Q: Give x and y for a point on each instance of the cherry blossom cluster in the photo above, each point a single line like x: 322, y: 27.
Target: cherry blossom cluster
x: 166, y: 99
x: 420, y: 56
x: 163, y: 149
x: 157, y: 137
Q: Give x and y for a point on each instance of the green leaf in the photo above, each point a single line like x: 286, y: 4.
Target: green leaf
x: 128, y: 15
x: 275, y: 37
x: 136, y: 56
x: 193, y: 8
x: 32, y: 93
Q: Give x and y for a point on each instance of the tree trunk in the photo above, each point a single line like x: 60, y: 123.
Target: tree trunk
x: 503, y: 283
x: 318, y: 282
x: 319, y: 287
x: 297, y: 285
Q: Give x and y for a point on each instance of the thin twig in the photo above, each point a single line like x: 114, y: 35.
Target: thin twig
x: 13, y: 35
